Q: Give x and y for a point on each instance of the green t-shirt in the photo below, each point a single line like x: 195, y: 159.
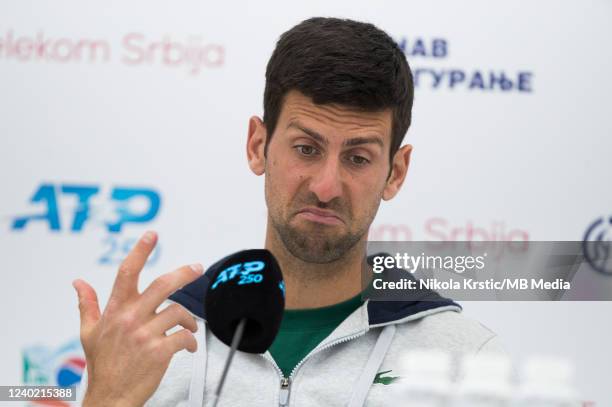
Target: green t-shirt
x: 303, y: 329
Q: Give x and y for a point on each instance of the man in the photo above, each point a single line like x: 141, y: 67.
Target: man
x: 337, y: 105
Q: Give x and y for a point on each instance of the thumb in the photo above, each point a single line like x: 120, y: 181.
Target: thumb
x: 88, y: 305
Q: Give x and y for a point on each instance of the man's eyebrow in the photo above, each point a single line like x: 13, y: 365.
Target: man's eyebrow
x: 352, y: 142
x: 319, y: 138
x: 355, y: 141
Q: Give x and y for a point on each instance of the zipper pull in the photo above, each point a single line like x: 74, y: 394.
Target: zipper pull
x: 284, y: 392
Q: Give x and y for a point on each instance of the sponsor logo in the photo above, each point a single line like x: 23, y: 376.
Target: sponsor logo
x: 386, y: 380
x: 248, y: 273
x: 124, y: 202
x: 191, y: 53
x: 597, y: 244
x: 63, y: 366
x: 473, y: 79
x: 76, y: 208
x: 439, y: 229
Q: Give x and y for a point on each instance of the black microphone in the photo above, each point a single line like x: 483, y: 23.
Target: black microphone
x: 244, y: 303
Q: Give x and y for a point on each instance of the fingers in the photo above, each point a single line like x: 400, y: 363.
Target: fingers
x: 89, y: 308
x: 180, y: 340
x: 126, y: 282
x: 163, y: 286
x: 171, y: 316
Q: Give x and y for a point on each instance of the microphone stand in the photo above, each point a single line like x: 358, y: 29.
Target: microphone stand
x: 235, y: 341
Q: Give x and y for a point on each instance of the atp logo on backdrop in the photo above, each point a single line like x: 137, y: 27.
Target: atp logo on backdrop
x: 77, y: 208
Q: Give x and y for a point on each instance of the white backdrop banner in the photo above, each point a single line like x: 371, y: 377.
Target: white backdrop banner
x: 119, y: 117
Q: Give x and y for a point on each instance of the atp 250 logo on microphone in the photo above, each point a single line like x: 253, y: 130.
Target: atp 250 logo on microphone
x: 69, y: 208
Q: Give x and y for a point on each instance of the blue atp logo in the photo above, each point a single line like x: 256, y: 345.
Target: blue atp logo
x: 120, y: 200
x: 84, y: 207
x: 248, y: 273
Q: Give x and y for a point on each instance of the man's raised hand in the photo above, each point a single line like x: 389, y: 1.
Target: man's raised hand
x: 126, y: 346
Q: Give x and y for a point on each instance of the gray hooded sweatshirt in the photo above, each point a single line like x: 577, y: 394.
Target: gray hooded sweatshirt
x: 354, y: 366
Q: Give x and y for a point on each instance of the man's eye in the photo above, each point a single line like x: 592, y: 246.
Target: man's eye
x: 359, y: 160
x: 306, y: 150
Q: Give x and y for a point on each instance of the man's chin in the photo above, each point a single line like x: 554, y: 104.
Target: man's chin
x: 318, y: 245
x: 316, y: 255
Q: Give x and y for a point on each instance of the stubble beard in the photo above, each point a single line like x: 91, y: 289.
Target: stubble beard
x: 316, y: 245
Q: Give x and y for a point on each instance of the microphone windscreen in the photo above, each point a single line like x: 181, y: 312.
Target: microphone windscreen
x: 247, y: 284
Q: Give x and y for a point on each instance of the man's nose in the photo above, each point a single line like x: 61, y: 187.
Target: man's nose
x: 326, y: 184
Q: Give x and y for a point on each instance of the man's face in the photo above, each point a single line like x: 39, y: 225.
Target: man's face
x: 326, y: 170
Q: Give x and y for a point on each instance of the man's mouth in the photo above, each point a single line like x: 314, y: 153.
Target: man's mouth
x: 323, y: 216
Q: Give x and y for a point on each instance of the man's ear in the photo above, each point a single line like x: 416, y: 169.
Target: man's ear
x: 256, y: 143
x: 399, y: 169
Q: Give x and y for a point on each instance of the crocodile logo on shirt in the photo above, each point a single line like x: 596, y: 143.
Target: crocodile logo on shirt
x: 379, y: 379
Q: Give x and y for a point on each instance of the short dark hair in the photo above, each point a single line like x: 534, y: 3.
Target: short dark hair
x: 344, y: 62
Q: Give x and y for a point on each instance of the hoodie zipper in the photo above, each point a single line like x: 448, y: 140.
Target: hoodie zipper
x: 285, y: 383
x: 283, y: 399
